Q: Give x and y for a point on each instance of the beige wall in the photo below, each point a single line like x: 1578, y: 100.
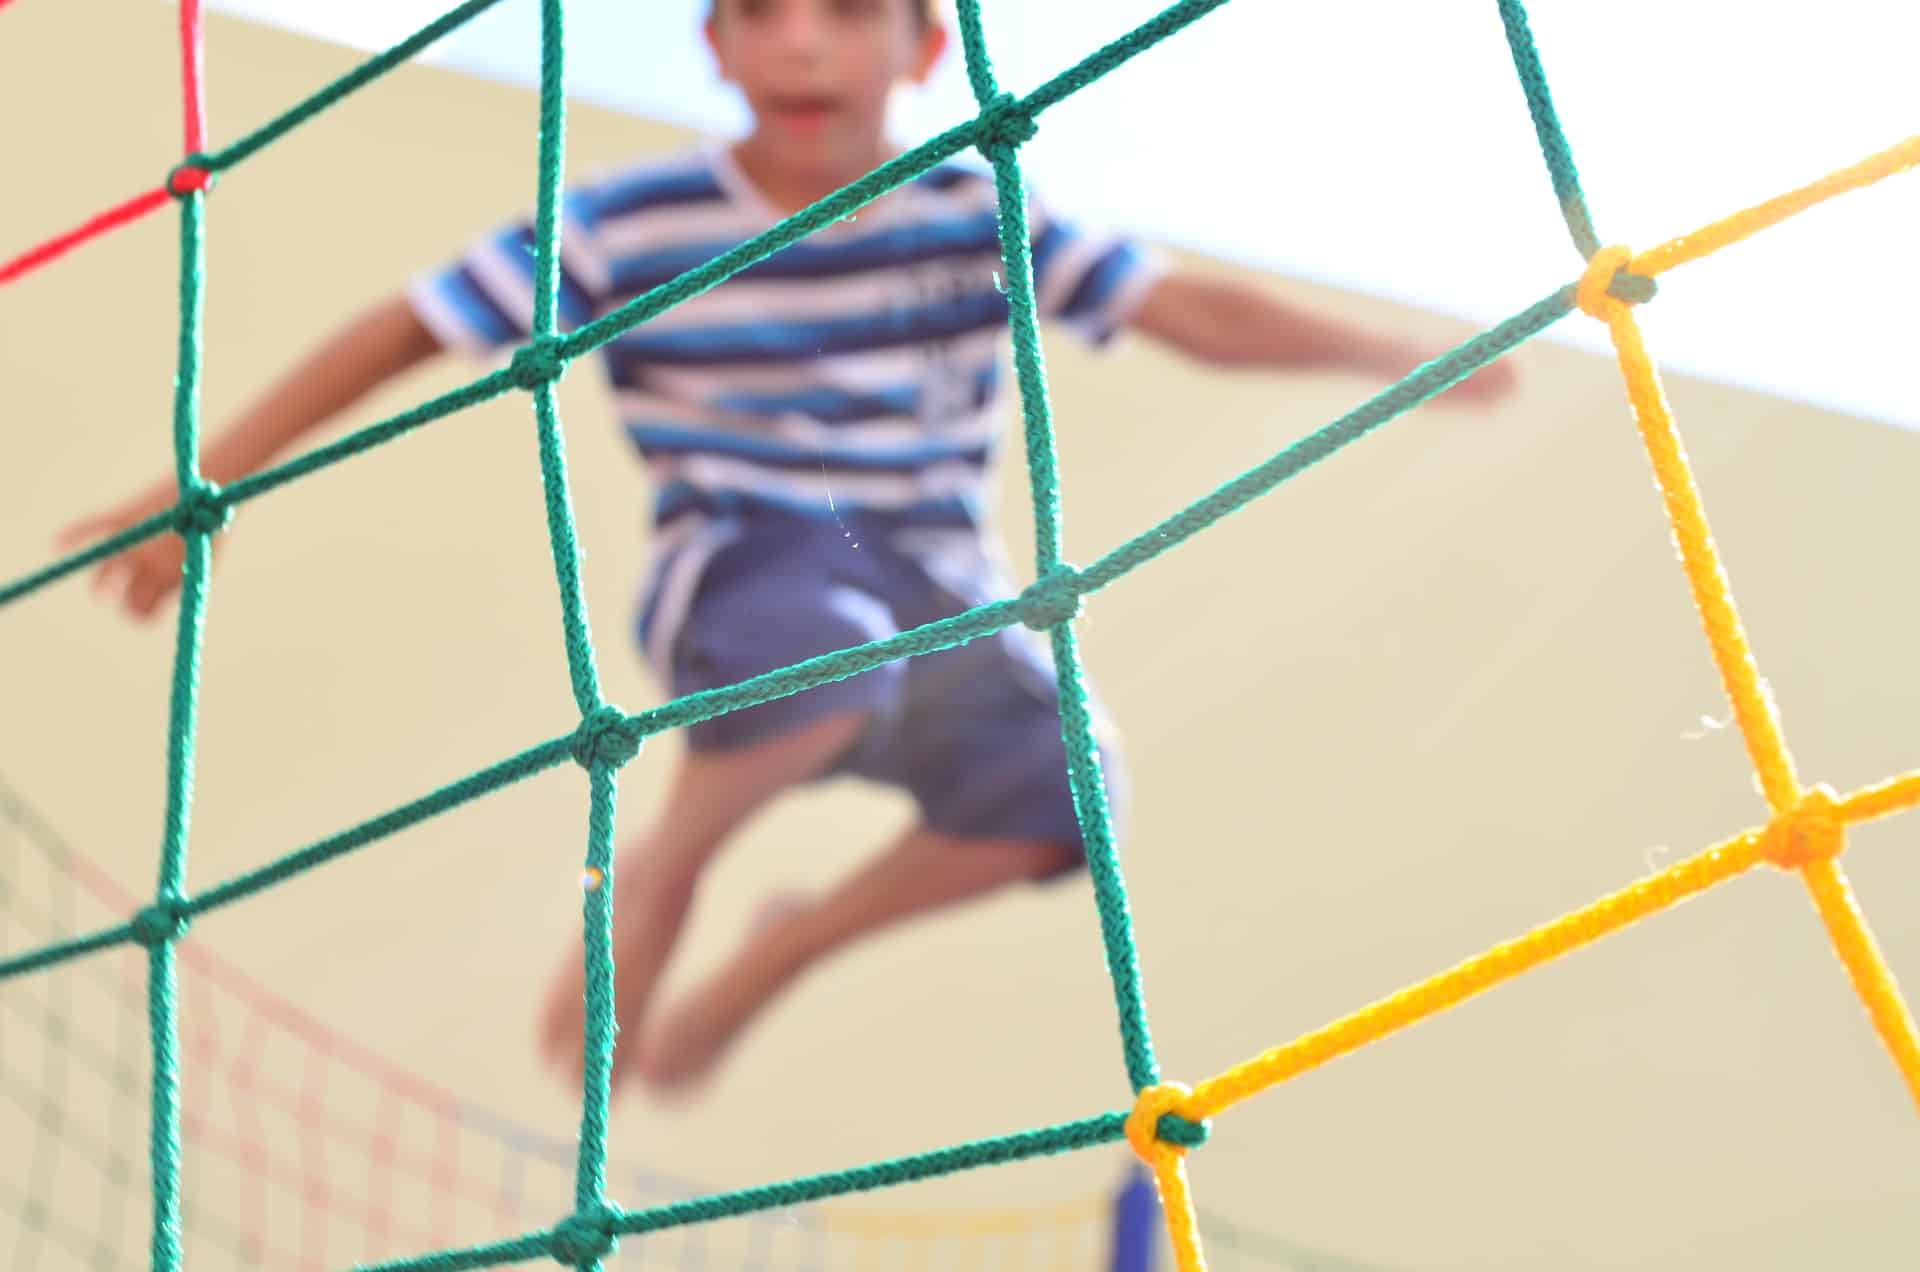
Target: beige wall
x: 1429, y: 695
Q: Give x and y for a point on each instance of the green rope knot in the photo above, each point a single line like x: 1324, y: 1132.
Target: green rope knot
x: 1053, y: 599
x: 605, y: 737
x: 584, y: 1238
x: 1635, y: 289
x: 190, y: 176
x: 1005, y: 124
x: 1175, y: 1129
x: 201, y: 509
x: 165, y: 920
x: 1608, y: 282
x: 541, y: 362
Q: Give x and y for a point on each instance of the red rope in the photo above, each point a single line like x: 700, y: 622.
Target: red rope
x: 132, y: 210
x: 193, y: 107
x: 184, y: 179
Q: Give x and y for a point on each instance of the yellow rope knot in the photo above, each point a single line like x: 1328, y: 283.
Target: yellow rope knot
x: 1168, y: 1162
x: 1810, y: 831
x: 1606, y: 265
x: 1143, y: 1124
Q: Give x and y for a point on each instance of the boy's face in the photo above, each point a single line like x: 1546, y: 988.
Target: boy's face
x: 817, y: 73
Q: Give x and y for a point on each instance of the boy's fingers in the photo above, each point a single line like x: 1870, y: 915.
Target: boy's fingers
x: 622, y: 1066
x: 106, y: 574
x: 86, y: 530
x: 119, y: 577
x: 146, y: 593
x: 554, y: 1039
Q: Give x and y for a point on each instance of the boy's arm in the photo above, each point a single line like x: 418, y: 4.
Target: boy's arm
x: 1230, y: 324
x: 372, y: 348
x: 369, y: 350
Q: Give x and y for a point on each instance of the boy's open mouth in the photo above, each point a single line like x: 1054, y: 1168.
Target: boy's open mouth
x: 803, y: 111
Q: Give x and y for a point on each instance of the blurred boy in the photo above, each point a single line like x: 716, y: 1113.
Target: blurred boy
x: 819, y: 431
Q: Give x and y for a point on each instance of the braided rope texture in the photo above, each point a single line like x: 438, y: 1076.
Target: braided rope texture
x: 1805, y: 833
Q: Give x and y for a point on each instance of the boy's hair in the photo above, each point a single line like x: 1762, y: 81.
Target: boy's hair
x: 927, y: 11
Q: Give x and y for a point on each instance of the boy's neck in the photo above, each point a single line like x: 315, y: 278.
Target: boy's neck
x: 790, y: 185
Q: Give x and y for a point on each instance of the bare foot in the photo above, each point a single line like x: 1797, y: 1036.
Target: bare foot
x: 693, y: 1034
x: 564, y: 1019
x: 563, y: 1024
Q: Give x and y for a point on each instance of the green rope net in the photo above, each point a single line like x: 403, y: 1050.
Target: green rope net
x: 605, y: 738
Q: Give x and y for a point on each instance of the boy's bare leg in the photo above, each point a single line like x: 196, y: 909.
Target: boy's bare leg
x: 923, y: 871
x: 711, y: 796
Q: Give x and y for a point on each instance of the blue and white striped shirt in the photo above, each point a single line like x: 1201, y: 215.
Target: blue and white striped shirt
x: 859, y: 369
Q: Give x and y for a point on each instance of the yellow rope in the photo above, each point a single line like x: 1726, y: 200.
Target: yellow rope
x: 1892, y: 796
x: 1807, y: 829
x: 1502, y: 963
x: 1752, y: 707
x: 1811, y: 831
x: 1867, y: 966
x: 1704, y: 242
x: 1807, y: 833
x: 1169, y: 1165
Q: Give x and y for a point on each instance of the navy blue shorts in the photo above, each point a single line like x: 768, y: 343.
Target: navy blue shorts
x: 972, y: 733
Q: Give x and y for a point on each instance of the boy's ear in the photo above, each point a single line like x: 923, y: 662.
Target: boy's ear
x: 933, y: 43
x: 710, y: 29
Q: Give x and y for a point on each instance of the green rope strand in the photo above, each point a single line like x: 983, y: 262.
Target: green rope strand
x: 551, y: 164
x: 160, y: 926
x: 134, y: 534
x: 590, y: 1171
x: 997, y: 1151
x: 1110, y: 57
x: 330, y: 95
x: 1000, y: 1150
x: 499, y: 1254
x: 65, y: 951
x: 1103, y: 862
x: 834, y: 207
x: 492, y: 385
x: 605, y: 738
x: 1424, y: 383
x: 184, y: 711
x: 582, y: 1249
x: 1030, y: 366
x: 524, y: 765
x: 826, y: 668
x: 164, y: 1158
x: 984, y: 620
x: 1546, y: 126
x: 888, y: 176
x: 837, y: 206
x: 565, y: 545
x: 186, y: 378
x: 1008, y: 125
x: 973, y: 49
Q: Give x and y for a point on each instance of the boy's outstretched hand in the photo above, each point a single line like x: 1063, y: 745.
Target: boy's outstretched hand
x: 141, y: 578
x: 380, y: 343
x: 1226, y: 322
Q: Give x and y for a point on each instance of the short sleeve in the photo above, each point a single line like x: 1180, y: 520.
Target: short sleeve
x: 1085, y: 278
x: 482, y: 300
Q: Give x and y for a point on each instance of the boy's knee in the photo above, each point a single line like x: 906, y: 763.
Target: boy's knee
x: 1055, y: 860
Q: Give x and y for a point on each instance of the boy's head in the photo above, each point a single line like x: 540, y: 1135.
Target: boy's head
x: 817, y: 74
x: 927, y: 11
